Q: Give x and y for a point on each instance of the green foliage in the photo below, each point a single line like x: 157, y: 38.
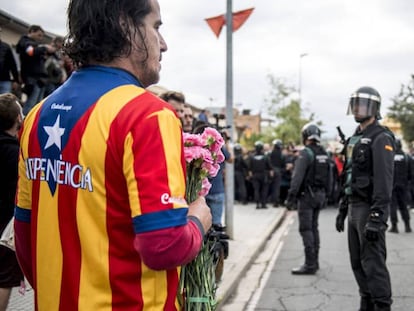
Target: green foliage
x: 282, y: 105
x: 248, y: 142
x: 402, y: 110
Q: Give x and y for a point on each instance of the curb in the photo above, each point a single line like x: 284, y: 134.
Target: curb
x: 229, y: 284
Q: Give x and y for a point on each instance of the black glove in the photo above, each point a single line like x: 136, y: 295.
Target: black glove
x: 373, y: 227
x: 340, y: 222
x: 290, y: 202
x: 342, y: 212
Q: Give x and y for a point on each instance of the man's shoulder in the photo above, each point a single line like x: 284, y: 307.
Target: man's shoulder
x: 4, y: 45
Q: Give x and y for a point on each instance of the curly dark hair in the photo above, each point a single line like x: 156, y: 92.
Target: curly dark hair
x: 99, y: 32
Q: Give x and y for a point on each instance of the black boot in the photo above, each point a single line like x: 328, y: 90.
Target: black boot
x: 382, y: 307
x: 304, y: 270
x: 394, y: 228
x: 407, y: 227
x: 366, y: 304
x: 309, y: 267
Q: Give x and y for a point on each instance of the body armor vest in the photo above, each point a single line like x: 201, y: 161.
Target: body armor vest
x: 359, y: 170
x: 258, y: 164
x: 317, y: 175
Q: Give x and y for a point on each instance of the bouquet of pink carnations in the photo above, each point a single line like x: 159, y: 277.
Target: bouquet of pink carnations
x: 203, y: 156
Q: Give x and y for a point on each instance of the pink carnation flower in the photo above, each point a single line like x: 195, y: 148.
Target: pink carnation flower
x: 213, y: 138
x: 205, y: 187
x: 193, y: 140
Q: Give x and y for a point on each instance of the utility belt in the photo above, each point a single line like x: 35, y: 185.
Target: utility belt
x: 312, y: 190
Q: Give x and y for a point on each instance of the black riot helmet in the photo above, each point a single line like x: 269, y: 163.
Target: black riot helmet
x: 364, y: 104
x: 258, y: 146
x: 277, y: 143
x: 311, y: 131
x: 237, y: 149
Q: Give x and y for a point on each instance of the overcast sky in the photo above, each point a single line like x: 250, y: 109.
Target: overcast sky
x: 349, y: 44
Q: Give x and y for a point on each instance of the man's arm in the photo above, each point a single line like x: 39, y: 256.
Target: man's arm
x: 299, y: 172
x: 22, y: 243
x: 383, y: 172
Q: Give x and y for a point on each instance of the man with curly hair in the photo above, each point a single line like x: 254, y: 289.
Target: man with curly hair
x: 101, y: 218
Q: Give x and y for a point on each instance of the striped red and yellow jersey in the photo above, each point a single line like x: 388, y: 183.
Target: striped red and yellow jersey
x: 101, y: 162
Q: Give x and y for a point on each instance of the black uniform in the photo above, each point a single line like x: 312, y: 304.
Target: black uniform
x: 240, y: 173
x: 369, y: 172
x: 277, y: 161
x: 402, y: 177
x: 259, y: 167
x: 309, y: 185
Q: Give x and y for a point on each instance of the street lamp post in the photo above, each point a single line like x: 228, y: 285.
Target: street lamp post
x: 300, y: 76
x: 229, y: 218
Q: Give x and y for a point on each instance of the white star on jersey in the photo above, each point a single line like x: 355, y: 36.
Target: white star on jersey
x: 55, y: 133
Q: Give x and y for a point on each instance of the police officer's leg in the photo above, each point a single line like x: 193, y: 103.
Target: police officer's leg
x: 373, y: 261
x: 402, y: 206
x: 393, y: 211
x: 241, y: 185
x: 264, y: 191
x: 319, y: 202
x: 357, y: 216
x: 305, y: 214
x: 373, y: 256
x: 277, y: 179
x: 256, y: 189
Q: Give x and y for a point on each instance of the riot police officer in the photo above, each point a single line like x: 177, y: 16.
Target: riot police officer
x: 277, y: 161
x: 402, y: 177
x: 259, y: 170
x: 369, y: 169
x: 309, y: 186
x: 240, y: 174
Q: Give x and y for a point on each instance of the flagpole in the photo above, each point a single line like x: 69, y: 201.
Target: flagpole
x: 229, y: 117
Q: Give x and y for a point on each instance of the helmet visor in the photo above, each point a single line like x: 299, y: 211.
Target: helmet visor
x: 363, y: 105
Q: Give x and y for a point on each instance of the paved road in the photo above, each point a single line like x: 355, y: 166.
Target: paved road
x: 334, y: 287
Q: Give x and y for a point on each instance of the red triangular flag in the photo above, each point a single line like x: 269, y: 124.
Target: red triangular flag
x: 216, y: 23
x: 240, y: 17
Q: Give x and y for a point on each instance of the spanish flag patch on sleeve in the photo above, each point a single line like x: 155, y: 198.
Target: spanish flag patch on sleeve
x: 389, y: 148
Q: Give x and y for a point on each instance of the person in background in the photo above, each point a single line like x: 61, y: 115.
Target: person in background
x: 369, y: 169
x: 277, y: 161
x: 10, y: 121
x: 240, y: 174
x: 55, y: 69
x: 203, y: 115
x: 108, y: 227
x: 9, y: 75
x: 309, y: 185
x: 402, y: 178
x: 290, y: 157
x: 188, y: 119
x: 177, y: 100
x: 259, y: 173
x: 32, y: 62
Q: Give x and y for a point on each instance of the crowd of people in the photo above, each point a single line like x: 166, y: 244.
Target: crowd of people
x: 79, y: 205
x: 39, y: 70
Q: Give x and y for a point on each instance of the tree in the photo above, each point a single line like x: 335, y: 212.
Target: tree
x: 402, y: 110
x: 286, y: 109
